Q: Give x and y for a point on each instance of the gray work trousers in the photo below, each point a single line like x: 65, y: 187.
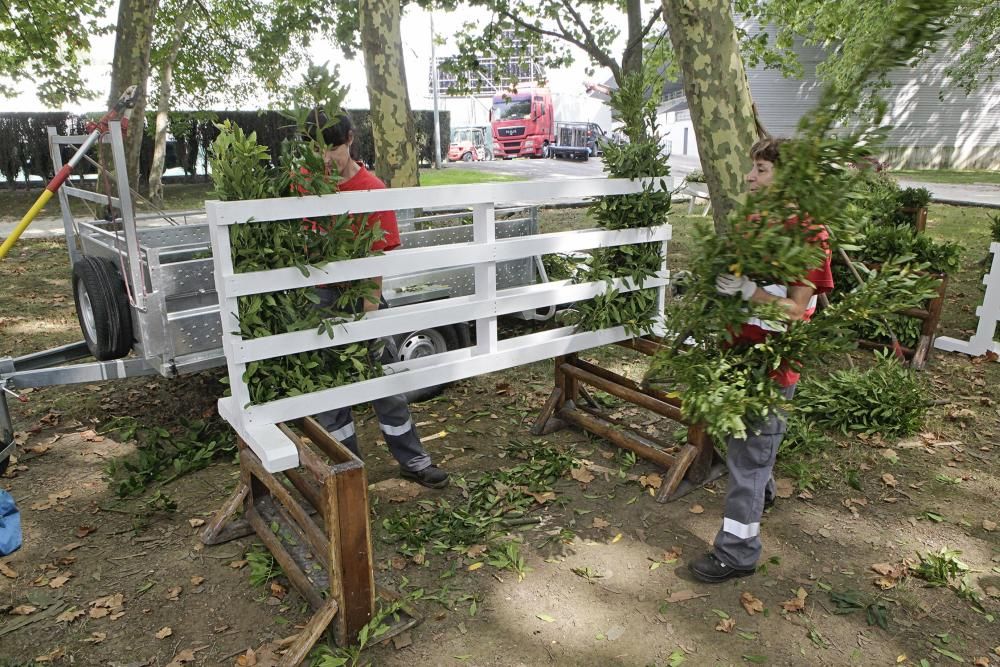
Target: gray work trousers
x: 393, y: 412
x: 751, y: 463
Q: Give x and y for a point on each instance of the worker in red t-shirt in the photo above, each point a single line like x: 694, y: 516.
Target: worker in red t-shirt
x: 750, y: 460
x: 393, y: 412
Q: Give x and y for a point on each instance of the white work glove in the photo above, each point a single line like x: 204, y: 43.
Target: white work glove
x: 730, y: 285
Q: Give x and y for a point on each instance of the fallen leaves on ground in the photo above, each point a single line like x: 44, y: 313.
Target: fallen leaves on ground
x: 889, y: 480
x: 196, y: 523
x: 581, y: 475
x: 652, y: 481
x: 53, y: 500
x: 23, y: 610
x: 197, y: 581
x: 185, y: 656
x: 696, y: 509
x: 238, y: 564
x: 8, y: 572
x: 784, y: 487
x: 988, y: 526
x: 599, y: 523
x: 889, y: 574
x: 109, y: 605
x: 751, y: 603
x: 164, y: 632
x: 685, y: 595
x: 96, y: 637
x: 83, y: 531
x: 70, y: 615
x: 797, y: 603
x: 174, y: 592
x: 60, y: 581
x: 52, y: 656
x: 726, y: 625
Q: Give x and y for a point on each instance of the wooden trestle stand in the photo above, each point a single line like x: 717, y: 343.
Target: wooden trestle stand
x: 317, y: 527
x: 694, y: 464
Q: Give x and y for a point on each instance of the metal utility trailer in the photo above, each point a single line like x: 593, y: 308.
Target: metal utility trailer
x: 577, y: 141
x: 161, y: 270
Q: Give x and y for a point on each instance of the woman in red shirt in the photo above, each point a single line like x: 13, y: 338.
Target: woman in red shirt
x: 750, y: 460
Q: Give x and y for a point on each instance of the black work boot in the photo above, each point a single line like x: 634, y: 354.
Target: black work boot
x: 711, y: 570
x: 432, y: 477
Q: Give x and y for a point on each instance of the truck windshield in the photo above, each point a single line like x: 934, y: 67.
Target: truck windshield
x: 514, y: 109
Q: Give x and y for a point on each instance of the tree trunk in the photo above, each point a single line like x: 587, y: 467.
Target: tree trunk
x: 163, y: 111
x: 632, y: 57
x: 715, y: 83
x: 130, y: 66
x: 392, y: 122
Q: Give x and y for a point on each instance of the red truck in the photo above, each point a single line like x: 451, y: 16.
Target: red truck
x: 523, y: 123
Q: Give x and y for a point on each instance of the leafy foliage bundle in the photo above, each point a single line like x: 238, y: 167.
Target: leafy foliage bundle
x: 241, y: 170
x: 886, y: 398
x: 640, y: 157
x: 771, y: 240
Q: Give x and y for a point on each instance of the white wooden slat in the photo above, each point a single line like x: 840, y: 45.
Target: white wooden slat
x: 432, y: 314
x: 414, y: 260
x: 365, y: 201
x: 515, y: 352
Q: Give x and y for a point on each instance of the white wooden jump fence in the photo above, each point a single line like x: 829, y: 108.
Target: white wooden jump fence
x: 984, y: 339
x: 257, y: 424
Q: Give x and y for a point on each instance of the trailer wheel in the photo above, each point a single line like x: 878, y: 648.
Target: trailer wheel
x: 102, y: 308
x: 426, y: 342
x: 467, y: 157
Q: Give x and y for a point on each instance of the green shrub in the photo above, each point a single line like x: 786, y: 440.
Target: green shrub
x: 995, y: 228
x: 881, y: 243
x: 886, y: 398
x: 696, y: 176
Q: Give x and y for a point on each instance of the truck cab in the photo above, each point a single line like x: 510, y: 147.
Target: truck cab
x: 523, y: 123
x: 470, y: 144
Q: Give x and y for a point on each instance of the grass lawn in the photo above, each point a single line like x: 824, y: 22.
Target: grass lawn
x: 460, y: 176
x: 951, y: 176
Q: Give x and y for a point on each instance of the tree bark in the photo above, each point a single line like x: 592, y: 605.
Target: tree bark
x: 130, y: 66
x: 392, y: 122
x: 632, y: 57
x: 163, y: 110
x: 715, y: 83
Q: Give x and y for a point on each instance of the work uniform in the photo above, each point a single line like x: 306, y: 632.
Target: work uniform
x: 751, y: 460
x: 393, y: 412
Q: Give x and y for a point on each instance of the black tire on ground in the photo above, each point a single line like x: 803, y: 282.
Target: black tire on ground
x: 467, y: 157
x: 426, y: 342
x: 102, y: 308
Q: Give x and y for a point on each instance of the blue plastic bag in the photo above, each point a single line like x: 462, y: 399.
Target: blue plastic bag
x: 10, y: 525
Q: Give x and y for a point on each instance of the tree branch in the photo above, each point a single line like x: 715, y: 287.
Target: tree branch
x: 650, y: 23
x: 591, y: 48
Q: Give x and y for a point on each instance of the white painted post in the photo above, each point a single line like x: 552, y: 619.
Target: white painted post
x: 983, y: 340
x: 484, y: 231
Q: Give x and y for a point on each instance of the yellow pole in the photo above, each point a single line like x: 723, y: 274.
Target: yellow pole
x: 40, y: 203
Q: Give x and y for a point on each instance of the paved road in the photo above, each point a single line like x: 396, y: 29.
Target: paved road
x: 680, y: 165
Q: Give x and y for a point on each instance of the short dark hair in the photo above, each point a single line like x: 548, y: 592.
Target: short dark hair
x: 334, y: 134
x: 768, y: 148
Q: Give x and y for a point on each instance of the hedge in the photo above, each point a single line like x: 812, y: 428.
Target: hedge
x: 24, y: 148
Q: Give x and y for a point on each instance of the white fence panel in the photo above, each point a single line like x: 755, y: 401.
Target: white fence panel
x: 256, y: 424
x: 983, y: 340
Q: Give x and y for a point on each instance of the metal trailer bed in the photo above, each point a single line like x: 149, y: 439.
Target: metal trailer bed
x: 168, y: 274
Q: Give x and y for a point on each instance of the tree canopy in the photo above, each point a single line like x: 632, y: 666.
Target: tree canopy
x: 47, y: 43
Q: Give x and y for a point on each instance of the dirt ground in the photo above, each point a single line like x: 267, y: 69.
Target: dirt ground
x: 106, y: 581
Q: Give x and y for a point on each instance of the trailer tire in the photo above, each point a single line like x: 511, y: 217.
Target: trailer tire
x: 102, y: 308
x: 467, y: 157
x: 425, y: 342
